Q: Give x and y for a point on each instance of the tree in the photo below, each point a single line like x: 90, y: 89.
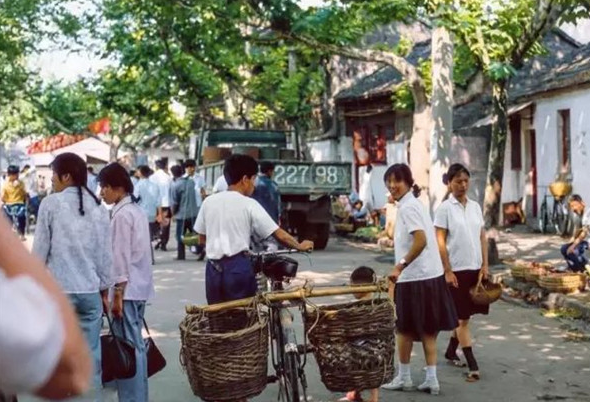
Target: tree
x: 502, y: 36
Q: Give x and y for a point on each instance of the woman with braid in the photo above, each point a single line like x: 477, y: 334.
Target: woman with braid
x: 72, y: 237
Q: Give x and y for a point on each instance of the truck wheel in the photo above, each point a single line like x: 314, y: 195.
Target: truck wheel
x: 319, y: 233
x: 322, y: 231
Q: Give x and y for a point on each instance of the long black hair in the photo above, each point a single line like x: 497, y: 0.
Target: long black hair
x: 72, y: 164
x: 115, y: 175
x: 402, y: 172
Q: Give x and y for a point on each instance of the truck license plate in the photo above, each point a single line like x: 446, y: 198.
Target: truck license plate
x: 310, y: 175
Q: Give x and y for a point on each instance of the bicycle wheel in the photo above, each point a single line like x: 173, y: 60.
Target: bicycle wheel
x: 543, y: 218
x: 560, y: 217
x: 291, y: 366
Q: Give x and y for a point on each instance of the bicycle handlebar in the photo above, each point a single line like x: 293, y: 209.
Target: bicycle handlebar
x: 278, y: 252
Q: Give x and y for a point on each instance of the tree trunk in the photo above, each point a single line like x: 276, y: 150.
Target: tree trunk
x: 493, y: 193
x: 442, y: 113
x: 423, y: 125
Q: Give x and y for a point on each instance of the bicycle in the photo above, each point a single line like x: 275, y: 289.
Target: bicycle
x: 286, y: 353
x: 559, y: 217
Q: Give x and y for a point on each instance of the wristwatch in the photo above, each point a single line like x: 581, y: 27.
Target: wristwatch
x: 403, y: 263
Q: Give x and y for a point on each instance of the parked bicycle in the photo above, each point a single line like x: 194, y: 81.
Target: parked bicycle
x: 288, y: 357
x: 559, y: 216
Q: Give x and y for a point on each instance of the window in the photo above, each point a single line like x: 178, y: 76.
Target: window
x: 515, y: 143
x: 564, y: 145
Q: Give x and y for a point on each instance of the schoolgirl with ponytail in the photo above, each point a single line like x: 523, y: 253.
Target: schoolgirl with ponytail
x: 72, y: 238
x: 132, y: 261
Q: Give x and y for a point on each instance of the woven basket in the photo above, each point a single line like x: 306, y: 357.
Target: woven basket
x: 354, y: 343
x: 534, y: 274
x: 563, y: 282
x: 485, y: 292
x: 518, y: 269
x: 560, y: 189
x: 225, y: 354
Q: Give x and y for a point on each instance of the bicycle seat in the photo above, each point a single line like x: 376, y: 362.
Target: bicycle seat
x: 279, y: 268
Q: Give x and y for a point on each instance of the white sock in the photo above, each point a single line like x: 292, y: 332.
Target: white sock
x: 404, y: 370
x: 430, y: 372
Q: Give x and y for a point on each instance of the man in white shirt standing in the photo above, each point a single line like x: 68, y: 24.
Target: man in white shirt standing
x: 226, y: 222
x: 191, y: 172
x: 164, y: 181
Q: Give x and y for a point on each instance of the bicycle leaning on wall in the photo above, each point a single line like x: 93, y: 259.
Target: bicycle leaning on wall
x: 559, y: 217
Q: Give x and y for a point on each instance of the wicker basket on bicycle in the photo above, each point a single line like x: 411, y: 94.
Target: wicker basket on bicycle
x: 563, y: 282
x: 225, y: 354
x: 354, y: 343
x: 560, y: 189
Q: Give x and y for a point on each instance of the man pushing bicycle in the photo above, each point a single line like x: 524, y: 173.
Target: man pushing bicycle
x: 226, y: 223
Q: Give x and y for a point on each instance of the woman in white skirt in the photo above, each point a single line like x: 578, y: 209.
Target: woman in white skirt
x: 423, y: 302
x: 463, y: 248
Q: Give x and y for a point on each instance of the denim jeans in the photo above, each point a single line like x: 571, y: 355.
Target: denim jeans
x: 88, y: 307
x: 577, y: 260
x: 133, y: 389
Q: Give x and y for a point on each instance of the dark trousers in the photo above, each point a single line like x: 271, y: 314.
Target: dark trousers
x: 165, y: 230
x: 230, y: 278
x: 183, y: 226
x: 577, y: 260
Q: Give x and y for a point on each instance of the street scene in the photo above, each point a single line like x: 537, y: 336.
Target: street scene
x: 294, y: 200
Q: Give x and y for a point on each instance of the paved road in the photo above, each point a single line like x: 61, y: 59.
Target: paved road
x: 523, y: 356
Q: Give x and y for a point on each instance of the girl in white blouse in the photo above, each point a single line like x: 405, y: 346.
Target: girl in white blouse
x: 463, y: 248
x: 423, y: 302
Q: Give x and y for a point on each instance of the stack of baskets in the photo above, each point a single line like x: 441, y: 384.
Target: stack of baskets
x: 563, y: 282
x: 354, y: 343
x: 225, y: 354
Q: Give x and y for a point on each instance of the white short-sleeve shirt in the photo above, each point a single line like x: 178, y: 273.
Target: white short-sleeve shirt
x: 412, y: 216
x: 229, y: 219
x: 31, y: 335
x: 463, y: 225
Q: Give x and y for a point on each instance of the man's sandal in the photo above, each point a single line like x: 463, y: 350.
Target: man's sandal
x: 472, y: 376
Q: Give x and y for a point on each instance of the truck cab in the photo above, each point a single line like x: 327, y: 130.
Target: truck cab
x: 306, y: 187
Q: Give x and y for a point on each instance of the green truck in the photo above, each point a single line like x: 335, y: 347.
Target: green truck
x: 305, y: 186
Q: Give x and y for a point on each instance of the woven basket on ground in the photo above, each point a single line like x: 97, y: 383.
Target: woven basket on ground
x: 562, y: 282
x: 354, y: 343
x: 534, y: 274
x: 518, y: 268
x: 225, y: 354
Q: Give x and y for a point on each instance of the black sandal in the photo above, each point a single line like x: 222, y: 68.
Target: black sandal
x: 472, y: 376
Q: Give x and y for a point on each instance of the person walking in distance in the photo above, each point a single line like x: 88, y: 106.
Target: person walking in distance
x: 423, y: 302
x: 200, y: 191
x: 266, y: 192
x: 164, y: 181
x: 184, y: 207
x: 148, y: 193
x: 14, y: 198
x: 130, y: 236
x: 72, y: 238
x: 463, y: 249
x: 226, y: 222
x: 30, y: 179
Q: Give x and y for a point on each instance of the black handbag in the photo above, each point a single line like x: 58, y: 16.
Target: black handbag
x: 155, y: 360
x: 118, y: 356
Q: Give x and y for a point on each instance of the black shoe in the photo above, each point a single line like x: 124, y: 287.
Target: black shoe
x: 163, y: 248
x: 201, y: 256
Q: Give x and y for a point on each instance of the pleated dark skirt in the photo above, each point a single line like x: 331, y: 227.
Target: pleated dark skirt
x: 463, y: 304
x: 424, y: 307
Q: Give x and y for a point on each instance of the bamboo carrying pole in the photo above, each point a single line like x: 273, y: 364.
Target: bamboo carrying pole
x: 300, y: 293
